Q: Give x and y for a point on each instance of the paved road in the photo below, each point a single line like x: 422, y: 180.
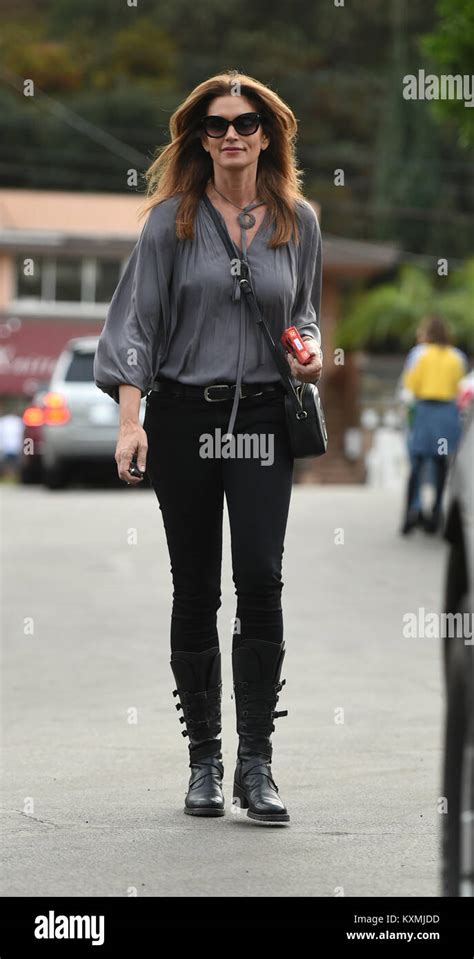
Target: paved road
x: 93, y: 802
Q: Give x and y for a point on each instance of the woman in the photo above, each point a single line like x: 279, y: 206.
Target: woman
x: 433, y: 377
x: 178, y: 331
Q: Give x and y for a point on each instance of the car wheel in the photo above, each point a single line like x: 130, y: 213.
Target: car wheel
x: 458, y: 765
x: 55, y: 477
x: 30, y: 476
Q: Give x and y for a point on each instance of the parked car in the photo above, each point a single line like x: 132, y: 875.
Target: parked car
x: 458, y: 772
x: 466, y: 391
x: 80, y: 422
x: 31, y: 469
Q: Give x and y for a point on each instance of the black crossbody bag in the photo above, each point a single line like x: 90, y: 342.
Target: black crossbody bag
x: 304, y: 412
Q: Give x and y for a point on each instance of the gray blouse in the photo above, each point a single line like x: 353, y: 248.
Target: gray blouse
x: 178, y: 312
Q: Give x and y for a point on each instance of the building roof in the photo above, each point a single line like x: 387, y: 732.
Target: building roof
x: 358, y: 256
x: 66, y: 211
x: 108, y: 223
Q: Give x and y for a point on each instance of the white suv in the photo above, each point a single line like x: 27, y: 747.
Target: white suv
x: 80, y: 423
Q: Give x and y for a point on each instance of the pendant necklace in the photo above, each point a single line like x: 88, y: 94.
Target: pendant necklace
x: 245, y: 218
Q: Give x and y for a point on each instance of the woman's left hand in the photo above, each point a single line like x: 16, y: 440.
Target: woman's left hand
x: 311, y: 372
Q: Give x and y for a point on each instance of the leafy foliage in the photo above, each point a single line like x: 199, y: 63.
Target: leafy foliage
x: 127, y: 67
x: 392, y: 311
x: 451, y: 47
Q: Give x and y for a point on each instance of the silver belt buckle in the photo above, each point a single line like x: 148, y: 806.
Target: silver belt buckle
x: 214, y: 386
x: 226, y: 386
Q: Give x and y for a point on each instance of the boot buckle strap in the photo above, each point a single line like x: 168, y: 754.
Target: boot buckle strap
x: 204, y: 695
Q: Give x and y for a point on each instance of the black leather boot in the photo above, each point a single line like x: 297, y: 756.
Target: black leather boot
x: 199, y: 686
x: 256, y: 670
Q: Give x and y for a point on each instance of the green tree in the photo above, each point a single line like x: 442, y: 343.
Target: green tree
x: 392, y: 311
x: 451, y: 47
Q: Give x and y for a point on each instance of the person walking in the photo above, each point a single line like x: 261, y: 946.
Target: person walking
x: 178, y: 332
x: 11, y: 442
x: 433, y: 377
x: 413, y: 500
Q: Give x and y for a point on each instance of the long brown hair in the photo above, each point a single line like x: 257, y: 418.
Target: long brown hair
x: 183, y: 166
x: 436, y: 330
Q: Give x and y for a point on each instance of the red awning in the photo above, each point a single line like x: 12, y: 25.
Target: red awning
x: 29, y: 350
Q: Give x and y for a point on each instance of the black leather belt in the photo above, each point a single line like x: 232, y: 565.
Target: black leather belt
x: 215, y: 391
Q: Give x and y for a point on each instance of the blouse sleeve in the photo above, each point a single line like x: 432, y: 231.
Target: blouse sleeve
x: 307, y: 306
x: 138, y: 313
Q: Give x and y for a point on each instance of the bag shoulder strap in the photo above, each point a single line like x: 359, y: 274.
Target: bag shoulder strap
x: 250, y: 298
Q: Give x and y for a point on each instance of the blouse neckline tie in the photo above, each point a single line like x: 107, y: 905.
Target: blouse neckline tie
x: 246, y: 221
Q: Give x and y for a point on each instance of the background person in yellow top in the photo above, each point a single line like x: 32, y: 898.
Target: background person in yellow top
x: 433, y: 379
x: 409, y: 401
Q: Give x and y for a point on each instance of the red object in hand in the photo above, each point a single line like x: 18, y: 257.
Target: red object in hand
x: 292, y: 342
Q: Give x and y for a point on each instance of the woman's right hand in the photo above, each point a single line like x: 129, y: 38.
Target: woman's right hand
x: 131, y: 440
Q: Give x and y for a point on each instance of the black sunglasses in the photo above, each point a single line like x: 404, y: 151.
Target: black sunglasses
x: 245, y: 124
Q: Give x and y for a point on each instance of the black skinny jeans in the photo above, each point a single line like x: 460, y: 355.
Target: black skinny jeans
x: 190, y: 491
